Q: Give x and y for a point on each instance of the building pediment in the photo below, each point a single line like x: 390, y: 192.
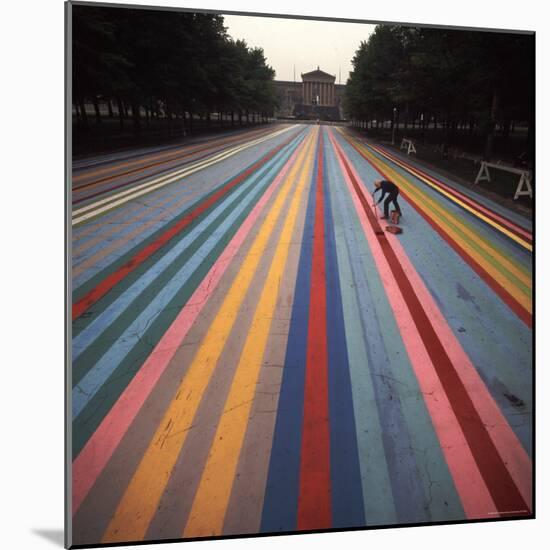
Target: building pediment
x: 318, y: 75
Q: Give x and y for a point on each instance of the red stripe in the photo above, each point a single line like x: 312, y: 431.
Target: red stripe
x: 140, y: 178
x: 513, y: 228
x: 114, y: 278
x: 314, y: 501
x: 503, y: 490
x: 168, y: 158
x: 506, y: 297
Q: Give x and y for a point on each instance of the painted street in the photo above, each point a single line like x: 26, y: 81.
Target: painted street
x: 253, y: 353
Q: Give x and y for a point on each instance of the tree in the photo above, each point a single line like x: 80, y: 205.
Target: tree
x: 176, y: 64
x: 453, y: 75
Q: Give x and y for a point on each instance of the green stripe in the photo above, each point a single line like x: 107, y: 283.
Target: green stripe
x: 104, y: 273
x: 377, y: 492
x: 444, y: 503
x: 486, y: 255
x: 102, y: 402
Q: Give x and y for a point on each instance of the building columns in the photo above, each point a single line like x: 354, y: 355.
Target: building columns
x: 326, y: 91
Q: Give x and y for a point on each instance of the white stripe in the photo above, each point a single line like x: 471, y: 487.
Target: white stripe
x: 174, y: 175
x: 124, y: 196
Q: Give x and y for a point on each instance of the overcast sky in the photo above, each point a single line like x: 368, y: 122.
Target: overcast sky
x: 301, y: 43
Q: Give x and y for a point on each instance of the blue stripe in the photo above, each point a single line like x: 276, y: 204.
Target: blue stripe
x: 88, y: 335
x: 280, y: 507
x: 176, y: 192
x: 171, y: 191
x: 94, y: 379
x: 408, y: 493
x: 347, y: 495
x: 377, y: 494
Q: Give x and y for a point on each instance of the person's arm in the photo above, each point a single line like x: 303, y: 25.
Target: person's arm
x: 381, y: 196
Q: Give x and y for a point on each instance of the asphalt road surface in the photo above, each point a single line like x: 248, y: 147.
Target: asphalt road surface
x: 253, y: 352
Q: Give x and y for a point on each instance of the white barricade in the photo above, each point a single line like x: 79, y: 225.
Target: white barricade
x: 524, y: 185
x: 409, y: 145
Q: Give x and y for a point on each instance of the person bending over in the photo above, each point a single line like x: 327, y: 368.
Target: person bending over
x: 392, y: 191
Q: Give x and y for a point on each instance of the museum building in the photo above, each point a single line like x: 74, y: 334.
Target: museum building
x: 316, y: 97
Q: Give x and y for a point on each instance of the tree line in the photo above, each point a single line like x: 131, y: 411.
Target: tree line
x: 181, y: 66
x: 453, y: 79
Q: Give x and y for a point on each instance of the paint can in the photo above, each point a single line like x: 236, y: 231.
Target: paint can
x: 394, y: 229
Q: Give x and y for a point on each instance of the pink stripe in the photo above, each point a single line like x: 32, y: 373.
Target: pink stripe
x: 102, y: 444
x: 469, y: 483
x: 470, y: 201
x: 505, y: 440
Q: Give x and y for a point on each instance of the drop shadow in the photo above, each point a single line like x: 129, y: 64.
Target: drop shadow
x: 55, y: 536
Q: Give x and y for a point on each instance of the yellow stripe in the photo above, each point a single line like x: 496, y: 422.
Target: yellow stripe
x: 493, y: 251
x: 516, y: 292
x: 211, y: 500
x: 423, y: 199
x: 140, y: 500
x: 462, y: 204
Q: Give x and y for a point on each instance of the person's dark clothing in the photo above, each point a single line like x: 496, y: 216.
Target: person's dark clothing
x: 392, y: 191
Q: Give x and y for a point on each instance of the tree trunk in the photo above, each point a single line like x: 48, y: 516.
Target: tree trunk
x: 77, y: 112
x: 489, y: 140
x: 136, y: 119
x: 110, y: 107
x: 397, y: 127
x: 453, y: 132
x: 96, y: 109
x: 423, y: 128
x: 84, y: 115
x: 445, y: 143
x: 184, y: 121
x: 169, y: 116
x: 506, y: 130
x: 120, y: 113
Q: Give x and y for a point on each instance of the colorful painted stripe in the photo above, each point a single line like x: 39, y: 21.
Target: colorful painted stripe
x: 253, y: 352
x: 506, y: 226
x: 510, y: 281
x: 503, y: 490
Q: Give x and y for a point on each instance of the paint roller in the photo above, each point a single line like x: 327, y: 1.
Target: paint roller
x: 377, y: 230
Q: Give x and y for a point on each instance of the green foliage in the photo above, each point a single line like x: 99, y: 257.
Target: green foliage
x: 449, y: 74
x: 169, y: 62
